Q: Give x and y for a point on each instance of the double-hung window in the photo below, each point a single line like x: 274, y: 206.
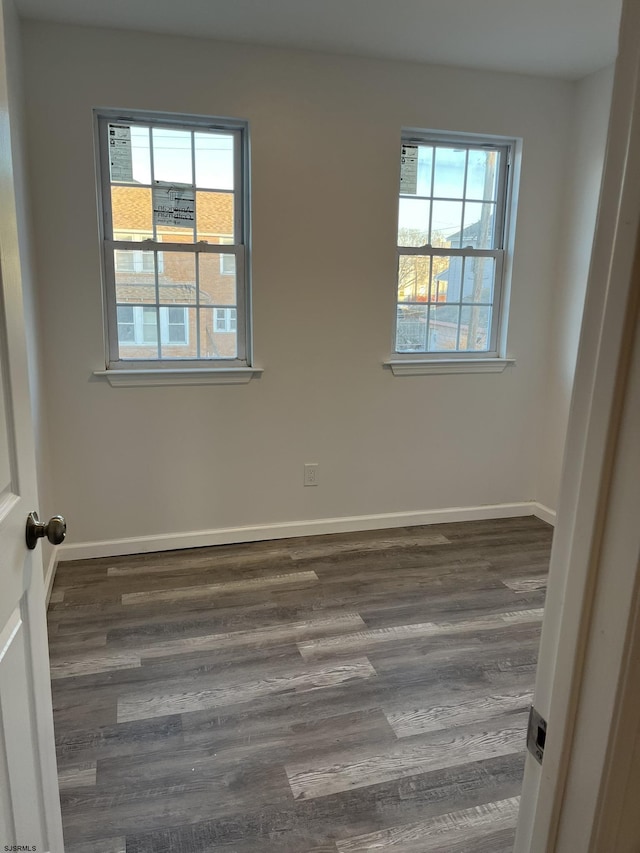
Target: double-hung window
x: 451, y: 244
x: 175, y: 239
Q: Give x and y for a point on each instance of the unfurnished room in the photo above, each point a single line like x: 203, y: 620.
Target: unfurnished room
x: 320, y: 391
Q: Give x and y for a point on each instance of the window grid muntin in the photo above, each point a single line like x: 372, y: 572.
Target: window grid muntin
x: 238, y: 131
x: 428, y: 251
x: 122, y: 321
x: 229, y: 318
x: 195, y: 237
x: 155, y: 254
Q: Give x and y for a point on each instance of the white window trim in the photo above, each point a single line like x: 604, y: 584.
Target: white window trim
x: 466, y: 361
x: 421, y: 367
x: 240, y: 249
x: 179, y: 376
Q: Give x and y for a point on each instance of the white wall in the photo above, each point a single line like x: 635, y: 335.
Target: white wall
x: 325, y: 131
x: 589, y: 134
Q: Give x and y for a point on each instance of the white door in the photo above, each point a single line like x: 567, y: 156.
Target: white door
x: 29, y: 801
x: 586, y: 685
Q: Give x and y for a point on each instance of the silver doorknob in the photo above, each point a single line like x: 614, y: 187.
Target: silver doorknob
x: 55, y: 530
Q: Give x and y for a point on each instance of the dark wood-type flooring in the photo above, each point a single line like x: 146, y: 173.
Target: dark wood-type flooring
x: 332, y: 694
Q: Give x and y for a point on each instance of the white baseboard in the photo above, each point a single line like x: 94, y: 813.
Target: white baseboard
x: 544, y: 513
x: 50, y: 572
x: 290, y: 529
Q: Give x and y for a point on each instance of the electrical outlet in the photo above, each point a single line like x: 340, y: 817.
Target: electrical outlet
x: 311, y: 474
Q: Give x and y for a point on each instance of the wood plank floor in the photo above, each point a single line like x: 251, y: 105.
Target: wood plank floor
x: 334, y: 694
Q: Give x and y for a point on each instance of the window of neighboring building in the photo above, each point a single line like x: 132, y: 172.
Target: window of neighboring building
x: 451, y: 243
x: 133, y: 261
x: 138, y: 325
x: 227, y: 265
x: 175, y: 233
x: 226, y: 319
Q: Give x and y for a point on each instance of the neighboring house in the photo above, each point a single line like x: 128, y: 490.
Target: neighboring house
x: 476, y: 284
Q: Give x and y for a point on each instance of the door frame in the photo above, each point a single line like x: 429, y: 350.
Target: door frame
x: 583, y: 686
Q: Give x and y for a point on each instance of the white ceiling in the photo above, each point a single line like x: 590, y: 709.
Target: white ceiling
x: 560, y: 38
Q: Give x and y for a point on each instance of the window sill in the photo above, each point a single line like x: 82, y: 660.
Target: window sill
x: 419, y: 366
x: 180, y: 376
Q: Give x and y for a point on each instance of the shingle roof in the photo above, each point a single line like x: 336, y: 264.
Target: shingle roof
x: 178, y: 293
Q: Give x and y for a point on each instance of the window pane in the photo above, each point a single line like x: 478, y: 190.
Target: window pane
x: 176, y: 334
x: 447, y: 279
x: 448, y: 179
x: 174, y: 212
x: 411, y: 328
x: 176, y: 326
x: 227, y: 264
x: 225, y: 319
x: 141, y: 154
x: 482, y: 175
x: 129, y: 158
x: 149, y: 325
x: 214, y: 217
x: 125, y: 314
x: 176, y: 315
x: 475, y: 324
x: 131, y: 213
x: 177, y: 234
x: 128, y: 261
x: 425, y: 163
x: 177, y: 277
x: 124, y: 261
x: 213, y: 342
x: 137, y: 351
x: 479, y: 224
x: 413, y: 222
x: 179, y: 333
x: 443, y: 328
x: 136, y: 333
x: 413, y: 278
x: 126, y: 329
x: 217, y: 279
x: 126, y: 333
x: 446, y: 224
x: 172, y: 156
x: 214, y: 161
x: 479, y: 276
x: 135, y: 276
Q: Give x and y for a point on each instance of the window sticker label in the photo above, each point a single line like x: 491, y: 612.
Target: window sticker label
x: 174, y: 204
x: 120, y: 153
x: 409, y: 169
